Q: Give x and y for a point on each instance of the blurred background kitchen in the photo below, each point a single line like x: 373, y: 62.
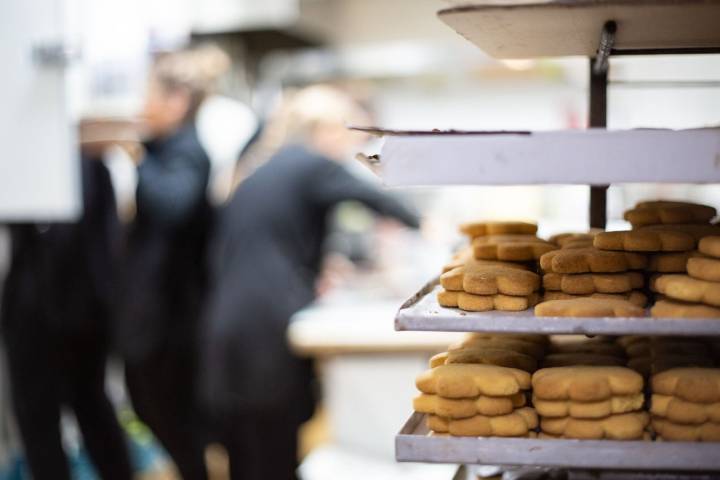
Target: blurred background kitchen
x: 76, y: 71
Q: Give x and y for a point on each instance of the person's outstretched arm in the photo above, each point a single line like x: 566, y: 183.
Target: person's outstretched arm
x: 332, y: 183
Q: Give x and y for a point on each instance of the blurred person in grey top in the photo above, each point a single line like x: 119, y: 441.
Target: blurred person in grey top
x: 266, y: 258
x: 164, y: 274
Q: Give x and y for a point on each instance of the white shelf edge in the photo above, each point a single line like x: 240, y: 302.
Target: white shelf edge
x: 413, y: 444
x: 422, y: 313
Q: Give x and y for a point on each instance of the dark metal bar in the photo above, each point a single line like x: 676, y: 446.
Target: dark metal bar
x: 598, y: 119
x: 607, y: 40
x: 665, y: 51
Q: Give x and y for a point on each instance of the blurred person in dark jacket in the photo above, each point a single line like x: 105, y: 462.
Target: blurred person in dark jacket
x: 267, y: 253
x: 56, y: 309
x: 164, y: 271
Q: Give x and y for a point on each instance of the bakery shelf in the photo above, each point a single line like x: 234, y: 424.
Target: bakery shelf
x: 422, y: 312
x: 414, y: 444
x: 555, y: 28
x: 585, y: 157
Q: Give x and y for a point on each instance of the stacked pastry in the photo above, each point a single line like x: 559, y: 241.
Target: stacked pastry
x: 573, y: 240
x: 685, y: 404
x: 667, y: 212
x: 494, y: 274
x: 590, y: 402
x: 598, y: 351
x: 577, y: 273
x: 651, y: 355
x: 476, y: 400
x: 697, y: 293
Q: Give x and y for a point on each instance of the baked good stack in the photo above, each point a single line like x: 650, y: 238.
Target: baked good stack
x: 592, y: 277
x: 476, y: 400
x: 651, y: 355
x: 685, y: 404
x: 590, y: 402
x: 697, y: 293
x: 495, y: 273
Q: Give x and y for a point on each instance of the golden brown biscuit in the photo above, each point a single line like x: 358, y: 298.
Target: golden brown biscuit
x: 704, y: 268
x: 585, y: 384
x: 438, y: 359
x: 623, y: 426
x: 588, y: 307
x: 453, y: 279
x: 699, y: 385
x: 437, y: 424
x: 601, y: 345
x: 688, y: 289
x: 483, y: 303
x: 464, y: 380
x: 516, y: 248
x: 467, y: 407
x: 704, y: 432
x: 479, y: 229
x: 678, y: 410
x: 599, y: 409
x: 589, y: 283
x: 493, y: 356
x: 710, y: 246
x: 572, y: 240
x: 696, y: 231
x: 651, y: 365
x: 678, y: 309
x: 673, y: 262
x: 460, y: 258
x: 591, y: 260
x: 515, y: 424
x: 636, y: 297
x: 668, y: 212
x: 571, y: 359
x: 447, y: 298
x: 491, y: 278
x: 645, y: 241
x: 535, y: 350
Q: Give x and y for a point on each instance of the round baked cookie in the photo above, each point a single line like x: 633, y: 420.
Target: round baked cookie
x: 515, y: 248
x: 585, y: 383
x: 698, y: 385
x: 673, y: 262
x: 447, y: 298
x: 645, y: 240
x: 591, y: 260
x: 515, y: 424
x: 588, y: 307
x: 467, y: 407
x: 669, y: 212
x: 492, y: 356
x: 704, y: 432
x: 483, y: 303
x: 599, y: 409
x: 437, y: 424
x: 679, y: 309
x: 710, y: 246
x: 696, y: 231
x: 636, y: 297
x: 688, y: 289
x: 704, y: 268
x: 681, y: 411
x: 489, y: 277
x: 472, y: 380
x: 623, y: 426
x: 589, y: 283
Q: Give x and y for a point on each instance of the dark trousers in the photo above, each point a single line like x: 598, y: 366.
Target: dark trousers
x: 48, y: 371
x: 261, y: 445
x: 162, y: 390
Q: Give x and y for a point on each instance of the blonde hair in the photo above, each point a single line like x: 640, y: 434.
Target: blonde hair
x: 195, y: 69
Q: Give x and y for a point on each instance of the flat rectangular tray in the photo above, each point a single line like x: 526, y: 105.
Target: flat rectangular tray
x: 415, y: 444
x: 422, y: 312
